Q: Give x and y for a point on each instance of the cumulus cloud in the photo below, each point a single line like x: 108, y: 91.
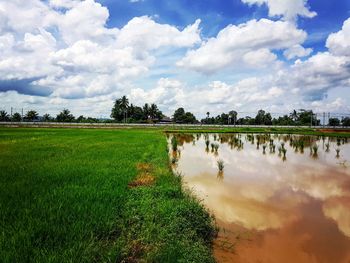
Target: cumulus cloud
x: 168, y: 93
x: 250, y: 44
x: 339, y: 43
x: 144, y: 33
x: 70, y: 51
x: 288, y: 9
x: 297, y: 51
x: 71, y: 57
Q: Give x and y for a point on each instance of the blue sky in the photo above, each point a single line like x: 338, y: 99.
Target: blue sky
x: 216, y: 15
x: 242, y: 55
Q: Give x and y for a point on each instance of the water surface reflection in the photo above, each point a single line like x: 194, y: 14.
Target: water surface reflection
x: 279, y: 198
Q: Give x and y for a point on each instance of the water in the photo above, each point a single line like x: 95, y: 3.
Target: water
x: 272, y: 208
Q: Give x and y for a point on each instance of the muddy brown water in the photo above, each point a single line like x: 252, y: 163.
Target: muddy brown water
x: 271, y: 208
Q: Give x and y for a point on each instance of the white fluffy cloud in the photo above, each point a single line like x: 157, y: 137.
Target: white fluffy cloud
x: 167, y: 94
x: 250, y: 44
x: 289, y: 9
x: 73, y: 58
x: 297, y: 51
x: 339, y: 43
x: 143, y: 33
x: 72, y: 53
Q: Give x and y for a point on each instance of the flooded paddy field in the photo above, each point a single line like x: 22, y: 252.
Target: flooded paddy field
x: 276, y: 198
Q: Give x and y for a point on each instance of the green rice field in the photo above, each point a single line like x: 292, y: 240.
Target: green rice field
x: 85, y: 195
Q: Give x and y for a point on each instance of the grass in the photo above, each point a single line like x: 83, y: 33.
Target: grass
x: 84, y: 195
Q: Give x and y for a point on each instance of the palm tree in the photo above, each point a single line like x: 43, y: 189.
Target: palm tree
x: 65, y: 116
x: 31, y: 115
x: 16, y: 117
x: 146, y: 111
x: 294, y: 115
x: 46, y: 117
x: 153, y: 111
x: 4, y: 116
x: 208, y: 114
x: 124, y: 105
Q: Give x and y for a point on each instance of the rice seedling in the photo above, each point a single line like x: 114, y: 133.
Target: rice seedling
x: 327, y: 147
x: 279, y: 150
x: 174, y: 143
x: 221, y: 165
x: 207, y: 142
x: 302, y: 146
x: 284, y: 151
x: 282, y: 145
x: 174, y: 160
x: 264, y: 149
x: 315, y: 149
x: 179, y: 152
x: 212, y: 147
x: 216, y: 147
x: 338, y: 152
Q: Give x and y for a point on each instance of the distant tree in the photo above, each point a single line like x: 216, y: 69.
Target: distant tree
x: 155, y: 113
x: 4, y: 116
x: 81, y: 118
x: 223, y: 119
x: 233, y: 116
x: 120, y: 109
x: 294, y: 116
x: 306, y: 118
x: 346, y: 122
x: 16, y: 117
x: 283, y: 121
x: 65, y: 116
x: 179, y: 115
x: 208, y: 114
x: 135, y: 113
x: 47, y: 117
x: 184, y: 117
x: 91, y: 120
x: 246, y: 121
x: 124, y: 106
x: 146, y: 111
x: 263, y: 118
x: 334, y: 122
x: 189, y: 118
x: 31, y: 115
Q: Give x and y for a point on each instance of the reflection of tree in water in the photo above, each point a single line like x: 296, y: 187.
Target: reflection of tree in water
x: 338, y: 152
x: 184, y: 138
x: 221, y: 166
x: 235, y: 141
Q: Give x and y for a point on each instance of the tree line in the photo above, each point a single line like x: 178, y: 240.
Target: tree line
x: 64, y: 116
x: 125, y: 112
x: 301, y: 117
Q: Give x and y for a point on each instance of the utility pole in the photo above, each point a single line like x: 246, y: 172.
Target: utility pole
x: 324, y: 119
x: 329, y: 116
x: 11, y: 111
x: 22, y: 114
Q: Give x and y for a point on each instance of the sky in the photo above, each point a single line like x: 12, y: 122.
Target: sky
x: 204, y: 55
